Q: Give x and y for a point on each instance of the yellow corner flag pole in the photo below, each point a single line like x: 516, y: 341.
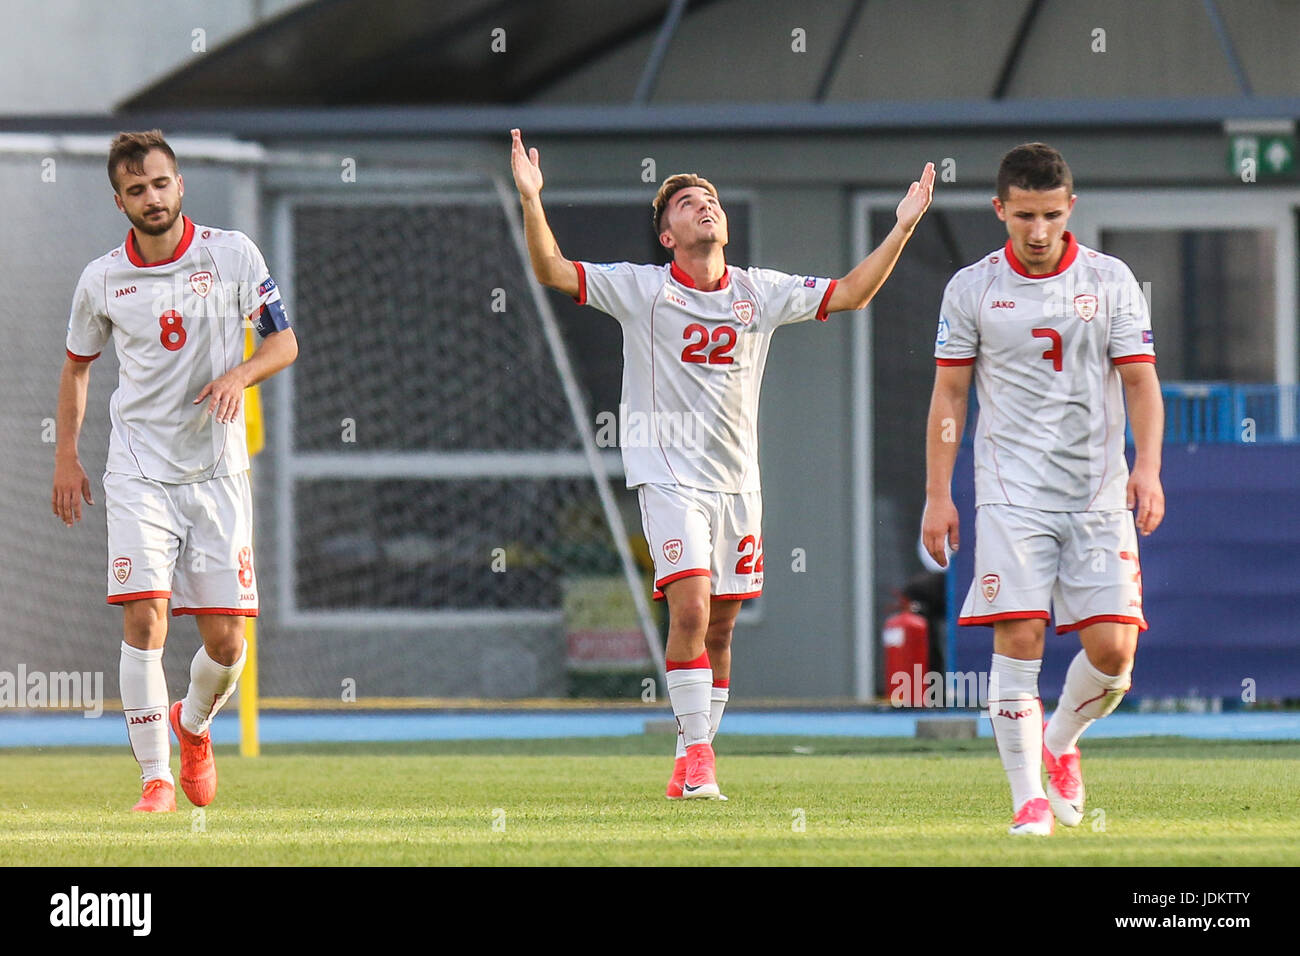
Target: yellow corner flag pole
x: 249, y: 743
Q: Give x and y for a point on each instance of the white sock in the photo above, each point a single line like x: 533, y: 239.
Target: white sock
x: 1018, y: 726
x: 688, y: 689
x: 143, y: 687
x: 211, y: 685
x: 1088, y: 695
x: 717, y: 704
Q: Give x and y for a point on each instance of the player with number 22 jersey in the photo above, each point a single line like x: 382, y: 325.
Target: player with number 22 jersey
x: 696, y: 333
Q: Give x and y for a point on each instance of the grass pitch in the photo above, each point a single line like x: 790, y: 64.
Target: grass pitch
x: 839, y: 801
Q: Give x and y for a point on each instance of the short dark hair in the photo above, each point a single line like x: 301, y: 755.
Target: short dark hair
x: 1033, y: 166
x: 673, y: 185
x: 130, y: 149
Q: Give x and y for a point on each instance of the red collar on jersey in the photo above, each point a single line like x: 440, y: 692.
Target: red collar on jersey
x: 1071, y: 251
x: 680, y: 275
x: 133, y: 251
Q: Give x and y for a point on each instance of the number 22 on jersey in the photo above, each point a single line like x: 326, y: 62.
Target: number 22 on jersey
x: 697, y: 340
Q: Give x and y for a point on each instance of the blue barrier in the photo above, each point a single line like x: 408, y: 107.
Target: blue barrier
x: 1215, y: 413
x: 1198, y: 413
x: 1220, y: 582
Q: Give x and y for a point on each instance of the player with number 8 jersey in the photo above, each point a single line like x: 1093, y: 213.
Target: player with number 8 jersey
x: 696, y: 334
x: 175, y: 298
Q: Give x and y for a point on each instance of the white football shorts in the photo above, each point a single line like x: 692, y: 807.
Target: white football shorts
x: 1085, y: 563
x: 191, y: 543
x: 713, y: 533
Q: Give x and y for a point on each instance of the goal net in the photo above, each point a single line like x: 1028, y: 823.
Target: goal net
x: 437, y: 480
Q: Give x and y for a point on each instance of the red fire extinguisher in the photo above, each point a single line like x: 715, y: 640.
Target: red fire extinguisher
x: 907, y: 655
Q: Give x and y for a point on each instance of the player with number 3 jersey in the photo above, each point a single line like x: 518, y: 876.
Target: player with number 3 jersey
x: 175, y: 298
x: 1056, y: 336
x: 696, y: 334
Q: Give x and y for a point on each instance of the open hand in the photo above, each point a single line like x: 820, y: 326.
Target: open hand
x: 917, y: 200
x: 528, y: 175
x: 225, y: 397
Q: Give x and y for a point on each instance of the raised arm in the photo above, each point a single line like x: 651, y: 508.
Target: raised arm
x: 942, y: 439
x: 1146, y: 413
x: 857, y: 288
x: 71, y: 485
x: 550, y: 267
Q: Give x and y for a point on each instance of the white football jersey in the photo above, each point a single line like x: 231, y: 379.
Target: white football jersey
x: 177, y: 325
x: 1045, y: 348
x: 693, y: 365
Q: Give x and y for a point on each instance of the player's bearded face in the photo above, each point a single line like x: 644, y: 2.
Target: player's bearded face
x: 151, y: 198
x: 1036, y: 222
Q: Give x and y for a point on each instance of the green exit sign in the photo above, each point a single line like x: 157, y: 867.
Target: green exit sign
x: 1254, y: 156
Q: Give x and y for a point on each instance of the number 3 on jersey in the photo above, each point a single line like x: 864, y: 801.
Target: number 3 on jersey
x: 173, y: 333
x: 697, y: 338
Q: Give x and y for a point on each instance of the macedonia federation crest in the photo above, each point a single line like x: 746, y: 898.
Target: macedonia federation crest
x: 1085, y: 306
x: 201, y: 283
x: 121, y: 569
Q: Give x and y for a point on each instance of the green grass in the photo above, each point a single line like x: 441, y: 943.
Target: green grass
x: 1166, y: 802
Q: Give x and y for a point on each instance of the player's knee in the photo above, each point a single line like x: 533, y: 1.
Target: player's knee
x: 690, y: 616
x: 223, y: 638
x: 1112, y: 659
x: 718, y: 637
x: 144, y: 623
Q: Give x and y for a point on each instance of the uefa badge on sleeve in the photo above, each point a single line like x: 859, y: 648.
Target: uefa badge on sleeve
x: 1085, y: 306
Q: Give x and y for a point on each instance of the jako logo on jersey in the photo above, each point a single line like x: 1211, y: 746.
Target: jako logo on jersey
x: 1085, y: 304
x: 990, y: 584
x: 1017, y: 715
x: 121, y: 292
x: 201, y: 282
x: 1003, y: 304
x: 673, y: 550
x: 674, y: 298
x: 744, y: 310
x: 145, y: 718
x: 266, y: 286
x: 121, y: 569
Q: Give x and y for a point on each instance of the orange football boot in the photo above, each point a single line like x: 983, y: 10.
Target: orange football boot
x: 159, y: 797
x: 198, y: 769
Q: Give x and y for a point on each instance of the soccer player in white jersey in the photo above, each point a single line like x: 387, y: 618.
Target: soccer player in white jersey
x: 1056, y: 336
x: 175, y: 298
x: 695, y: 341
